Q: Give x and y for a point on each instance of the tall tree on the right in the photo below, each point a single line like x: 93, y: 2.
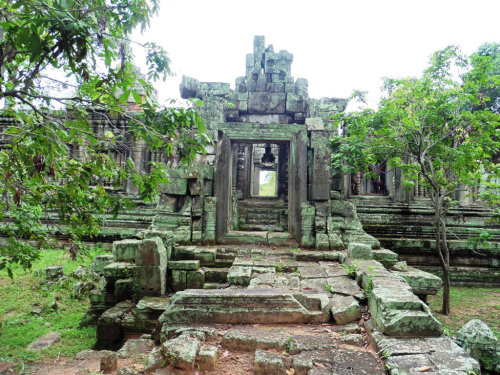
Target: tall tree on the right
x: 440, y: 129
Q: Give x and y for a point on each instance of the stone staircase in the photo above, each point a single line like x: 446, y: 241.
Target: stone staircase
x: 408, y: 231
x: 262, y: 215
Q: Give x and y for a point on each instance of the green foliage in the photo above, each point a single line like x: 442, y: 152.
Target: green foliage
x: 27, y: 292
x: 329, y: 288
x: 268, y: 187
x: 66, y: 66
x: 440, y: 130
x: 350, y: 269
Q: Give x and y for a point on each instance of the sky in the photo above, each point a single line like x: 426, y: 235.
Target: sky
x: 339, y: 46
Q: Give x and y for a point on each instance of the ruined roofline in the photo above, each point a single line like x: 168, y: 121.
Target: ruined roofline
x: 267, y: 90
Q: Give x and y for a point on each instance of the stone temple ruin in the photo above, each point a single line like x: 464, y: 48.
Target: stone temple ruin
x: 259, y: 247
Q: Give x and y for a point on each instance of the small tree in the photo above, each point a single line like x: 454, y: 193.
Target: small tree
x: 436, y: 129
x: 63, y: 62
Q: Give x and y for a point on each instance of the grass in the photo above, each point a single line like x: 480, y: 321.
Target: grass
x: 467, y: 304
x: 25, y: 292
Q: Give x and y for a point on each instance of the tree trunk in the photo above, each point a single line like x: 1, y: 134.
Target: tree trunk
x: 442, y: 249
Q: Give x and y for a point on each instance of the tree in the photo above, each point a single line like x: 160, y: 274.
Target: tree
x: 438, y: 129
x: 62, y: 63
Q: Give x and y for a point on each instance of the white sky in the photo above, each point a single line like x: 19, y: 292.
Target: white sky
x: 338, y: 46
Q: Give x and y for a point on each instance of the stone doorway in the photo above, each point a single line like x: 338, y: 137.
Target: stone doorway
x: 243, y: 152
x: 260, y: 186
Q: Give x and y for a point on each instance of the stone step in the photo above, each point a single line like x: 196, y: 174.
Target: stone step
x: 261, y: 227
x: 245, y: 306
x: 216, y: 275
x: 259, y: 238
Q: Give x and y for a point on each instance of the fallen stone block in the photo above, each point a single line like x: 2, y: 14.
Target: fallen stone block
x: 82, y: 288
x: 344, y: 285
x: 268, y: 363
x: 420, y: 281
x: 135, y: 347
x: 400, y: 266
x: 44, y: 342
x: 387, y: 257
x: 54, y: 272
x: 207, y: 358
x: 100, y: 262
x: 481, y: 343
x: 345, y: 309
x: 109, y: 324
x: 400, y: 313
x: 181, y: 351
x: 109, y: 362
x: 239, y: 275
x: 354, y: 339
x: 357, y: 250
x: 412, y: 355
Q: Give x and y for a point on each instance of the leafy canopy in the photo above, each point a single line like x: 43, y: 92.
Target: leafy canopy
x: 68, y: 87
x: 439, y: 129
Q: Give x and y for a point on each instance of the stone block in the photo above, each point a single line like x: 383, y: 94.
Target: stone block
x: 109, y: 324
x: 151, y: 252
x: 125, y: 250
x: 400, y: 313
x: 123, y: 289
x: 315, y: 123
x: 295, y: 103
x: 150, y: 281
x: 253, y: 339
x: 186, y: 265
x: 343, y: 208
x: 118, y: 270
x: 81, y: 288
x: 44, y: 342
x: 109, y: 362
x: 421, y: 282
x: 359, y: 251
x: 175, y: 186
x: 216, y: 275
x: 181, y: 351
x: 100, y: 262
x: 268, y: 363
x: 481, y: 343
x: 320, y: 224
x: 207, y: 358
x: 346, y: 286
x: 54, y: 272
x: 179, y: 280
x: 322, y: 241
x: 335, y: 242
x: 400, y: 266
x: 264, y: 102
x: 387, y: 257
x: 195, y: 279
x: 302, y: 87
x: 345, y: 309
x: 205, y: 256
x: 238, y: 306
x: 239, y: 275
